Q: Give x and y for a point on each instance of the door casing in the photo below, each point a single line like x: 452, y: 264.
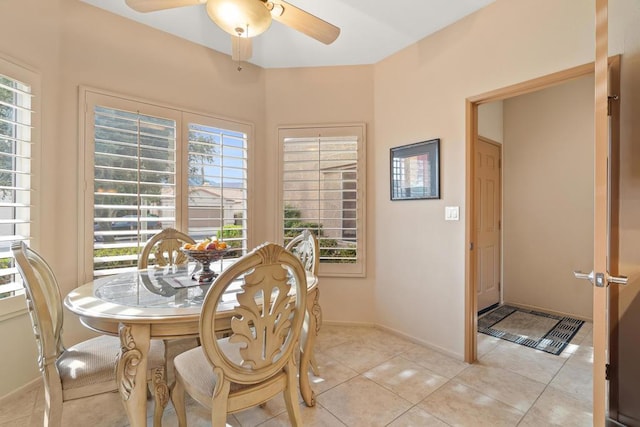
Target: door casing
x: 472, y: 103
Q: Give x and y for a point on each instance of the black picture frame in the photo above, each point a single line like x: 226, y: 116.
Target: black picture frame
x: 415, y: 171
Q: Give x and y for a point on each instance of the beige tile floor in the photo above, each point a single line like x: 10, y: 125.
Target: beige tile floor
x: 370, y: 377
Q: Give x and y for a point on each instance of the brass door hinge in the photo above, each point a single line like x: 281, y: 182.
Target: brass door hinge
x: 610, y: 99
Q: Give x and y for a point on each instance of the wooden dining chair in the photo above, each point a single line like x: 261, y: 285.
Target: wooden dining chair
x: 305, y: 246
x: 257, y: 361
x: 85, y: 369
x: 163, y: 249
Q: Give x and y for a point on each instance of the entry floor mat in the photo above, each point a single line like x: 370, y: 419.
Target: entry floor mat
x: 542, y: 331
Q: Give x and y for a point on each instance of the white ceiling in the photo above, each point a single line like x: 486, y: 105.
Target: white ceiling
x: 370, y: 29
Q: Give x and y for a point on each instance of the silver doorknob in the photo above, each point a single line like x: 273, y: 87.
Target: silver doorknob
x: 600, y: 278
x: 584, y: 276
x: 620, y: 280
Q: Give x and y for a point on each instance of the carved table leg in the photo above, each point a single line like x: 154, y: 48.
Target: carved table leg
x: 313, y: 310
x: 160, y: 394
x: 131, y: 371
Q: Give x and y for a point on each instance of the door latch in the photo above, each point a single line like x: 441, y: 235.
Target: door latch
x: 601, y: 279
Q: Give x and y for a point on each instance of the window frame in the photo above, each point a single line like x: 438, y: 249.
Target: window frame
x: 15, y: 305
x: 357, y: 269
x: 88, y: 97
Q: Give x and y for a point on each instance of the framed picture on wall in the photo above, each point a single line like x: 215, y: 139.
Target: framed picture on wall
x: 415, y: 171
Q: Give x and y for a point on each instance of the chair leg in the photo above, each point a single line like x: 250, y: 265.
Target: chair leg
x: 291, y: 396
x: 314, y: 364
x: 219, y: 405
x: 177, y: 397
x: 160, y: 394
x: 53, y: 408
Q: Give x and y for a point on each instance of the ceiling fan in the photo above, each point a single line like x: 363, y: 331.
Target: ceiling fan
x: 244, y: 19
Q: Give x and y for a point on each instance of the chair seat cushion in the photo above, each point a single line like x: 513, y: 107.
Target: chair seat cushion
x: 197, y: 373
x: 89, y: 366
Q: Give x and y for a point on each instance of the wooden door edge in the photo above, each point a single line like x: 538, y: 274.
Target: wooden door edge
x: 614, y: 235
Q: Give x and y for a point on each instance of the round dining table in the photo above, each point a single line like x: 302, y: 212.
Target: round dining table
x: 163, y: 303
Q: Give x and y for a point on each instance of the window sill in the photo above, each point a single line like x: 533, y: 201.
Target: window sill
x: 12, y: 307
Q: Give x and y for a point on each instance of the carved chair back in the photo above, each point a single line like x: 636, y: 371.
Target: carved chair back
x: 165, y: 248
x: 266, y: 328
x: 305, y: 247
x: 44, y: 304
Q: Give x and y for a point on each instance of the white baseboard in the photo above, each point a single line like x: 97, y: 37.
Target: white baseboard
x: 33, y: 384
x: 398, y: 334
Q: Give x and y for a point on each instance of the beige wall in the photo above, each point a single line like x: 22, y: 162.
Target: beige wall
x: 327, y: 95
x: 40, y: 51
x: 490, y: 118
x: 471, y: 57
x: 548, y: 198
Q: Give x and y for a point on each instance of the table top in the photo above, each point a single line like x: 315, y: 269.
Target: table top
x: 155, y: 294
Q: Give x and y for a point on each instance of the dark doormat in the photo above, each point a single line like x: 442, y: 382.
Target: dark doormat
x: 542, y: 331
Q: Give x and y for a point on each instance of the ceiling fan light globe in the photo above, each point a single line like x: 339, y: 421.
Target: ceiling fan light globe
x: 249, y: 15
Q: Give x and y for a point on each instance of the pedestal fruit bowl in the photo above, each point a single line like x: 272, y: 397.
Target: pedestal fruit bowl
x: 204, y: 253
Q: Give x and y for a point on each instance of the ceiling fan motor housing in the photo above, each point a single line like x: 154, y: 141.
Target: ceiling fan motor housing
x: 242, y: 18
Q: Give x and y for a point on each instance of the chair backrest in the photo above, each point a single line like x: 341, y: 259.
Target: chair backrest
x: 267, y: 321
x: 43, y: 301
x: 305, y: 247
x: 165, y: 247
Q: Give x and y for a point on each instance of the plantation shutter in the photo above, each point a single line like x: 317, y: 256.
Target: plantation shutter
x: 148, y: 167
x: 217, y: 202
x: 134, y: 184
x: 15, y: 177
x: 322, y: 179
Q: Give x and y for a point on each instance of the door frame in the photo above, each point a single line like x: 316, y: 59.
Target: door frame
x: 472, y: 103
x: 601, y: 295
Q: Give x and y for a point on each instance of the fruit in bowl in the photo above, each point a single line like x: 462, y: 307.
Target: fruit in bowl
x: 205, y: 245
x: 205, y: 252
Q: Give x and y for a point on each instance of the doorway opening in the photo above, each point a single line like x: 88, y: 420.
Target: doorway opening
x: 473, y: 190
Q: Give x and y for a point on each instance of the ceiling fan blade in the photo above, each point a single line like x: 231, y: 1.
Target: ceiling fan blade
x: 241, y: 48
x: 304, y: 22
x: 153, y: 5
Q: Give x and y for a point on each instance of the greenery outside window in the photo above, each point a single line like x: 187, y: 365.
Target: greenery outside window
x: 323, y: 189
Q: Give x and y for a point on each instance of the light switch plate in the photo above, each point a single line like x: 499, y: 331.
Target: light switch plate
x: 451, y: 213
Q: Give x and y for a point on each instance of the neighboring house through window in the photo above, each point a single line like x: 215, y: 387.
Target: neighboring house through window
x: 323, y: 189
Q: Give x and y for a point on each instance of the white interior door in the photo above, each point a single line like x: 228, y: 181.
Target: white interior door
x: 488, y: 214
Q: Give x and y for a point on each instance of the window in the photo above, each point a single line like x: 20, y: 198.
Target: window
x: 323, y: 176
x: 17, y: 149
x: 218, y: 183
x: 154, y: 167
